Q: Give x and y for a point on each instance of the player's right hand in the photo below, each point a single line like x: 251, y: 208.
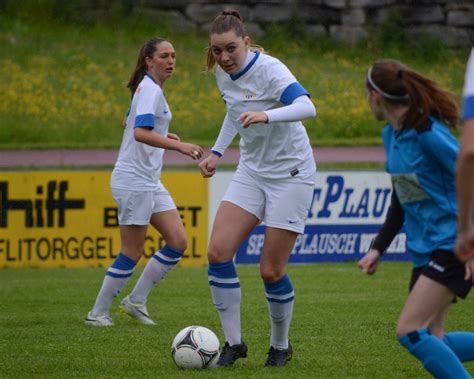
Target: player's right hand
x: 370, y: 262
x: 208, y: 166
x: 191, y: 150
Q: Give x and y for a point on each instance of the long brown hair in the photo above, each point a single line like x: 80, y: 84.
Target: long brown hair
x: 398, y: 84
x: 147, y: 51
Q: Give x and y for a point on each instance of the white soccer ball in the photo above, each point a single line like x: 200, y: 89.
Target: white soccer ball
x: 195, y: 347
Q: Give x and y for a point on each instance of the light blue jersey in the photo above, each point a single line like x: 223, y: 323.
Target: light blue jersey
x: 422, y: 166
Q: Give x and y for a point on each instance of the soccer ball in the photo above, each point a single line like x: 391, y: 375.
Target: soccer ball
x: 195, y: 347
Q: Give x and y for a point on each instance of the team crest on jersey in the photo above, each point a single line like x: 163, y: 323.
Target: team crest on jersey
x: 249, y: 95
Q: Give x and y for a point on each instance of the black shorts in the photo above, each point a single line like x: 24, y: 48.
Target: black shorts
x: 444, y: 268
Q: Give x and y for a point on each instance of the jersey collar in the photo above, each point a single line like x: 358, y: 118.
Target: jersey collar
x: 248, y: 67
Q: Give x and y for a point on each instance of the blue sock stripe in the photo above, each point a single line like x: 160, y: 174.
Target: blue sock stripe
x: 122, y: 262
x: 212, y: 283
x: 170, y: 252
x: 281, y: 301
x: 280, y: 287
x: 115, y: 275
x: 222, y: 270
x: 164, y: 261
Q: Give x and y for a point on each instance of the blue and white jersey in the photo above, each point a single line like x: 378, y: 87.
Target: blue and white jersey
x: 278, y: 149
x: 138, y: 167
x: 422, y: 166
x: 468, y: 108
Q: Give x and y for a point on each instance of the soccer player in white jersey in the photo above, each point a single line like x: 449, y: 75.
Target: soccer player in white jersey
x: 274, y: 181
x: 465, y: 177
x: 140, y: 196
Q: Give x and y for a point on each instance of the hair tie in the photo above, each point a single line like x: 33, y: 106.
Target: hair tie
x: 400, y: 73
x: 384, y: 94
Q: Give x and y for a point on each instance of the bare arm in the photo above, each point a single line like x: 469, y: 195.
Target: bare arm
x: 465, y: 192
x: 149, y: 137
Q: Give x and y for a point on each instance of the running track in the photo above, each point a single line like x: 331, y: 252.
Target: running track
x: 106, y: 157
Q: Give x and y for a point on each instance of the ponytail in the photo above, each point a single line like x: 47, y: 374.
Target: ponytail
x: 147, y: 51
x: 400, y: 85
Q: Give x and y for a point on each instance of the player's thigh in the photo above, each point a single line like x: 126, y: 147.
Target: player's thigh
x: 275, y: 254
x: 427, y: 300
x: 232, y: 225
x: 169, y: 225
x: 132, y: 239
x: 287, y: 204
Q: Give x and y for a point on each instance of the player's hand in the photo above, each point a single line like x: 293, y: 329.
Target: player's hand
x: 249, y: 118
x: 469, y: 270
x: 173, y: 136
x: 464, y: 248
x: 191, y: 150
x: 209, y: 165
x: 370, y: 262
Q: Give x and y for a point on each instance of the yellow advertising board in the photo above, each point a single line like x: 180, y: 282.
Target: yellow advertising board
x: 69, y: 219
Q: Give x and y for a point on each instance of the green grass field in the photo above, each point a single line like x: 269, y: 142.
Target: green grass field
x: 343, y: 325
x: 64, y: 85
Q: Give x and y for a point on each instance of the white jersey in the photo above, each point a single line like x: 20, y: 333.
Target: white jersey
x: 468, y: 109
x: 278, y: 149
x: 138, y: 167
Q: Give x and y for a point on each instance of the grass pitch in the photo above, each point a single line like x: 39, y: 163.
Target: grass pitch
x: 343, y: 324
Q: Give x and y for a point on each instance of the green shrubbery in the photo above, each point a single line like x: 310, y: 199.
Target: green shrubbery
x: 63, y: 83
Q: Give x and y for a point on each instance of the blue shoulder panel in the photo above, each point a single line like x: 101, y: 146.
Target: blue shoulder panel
x: 468, y: 107
x: 291, y: 92
x: 145, y: 121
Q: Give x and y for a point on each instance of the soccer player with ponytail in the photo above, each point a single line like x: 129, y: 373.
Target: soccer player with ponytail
x: 136, y: 187
x: 274, y: 181
x: 421, y: 159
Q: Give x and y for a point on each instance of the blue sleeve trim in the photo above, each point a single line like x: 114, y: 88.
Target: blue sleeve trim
x: 145, y: 120
x: 216, y: 153
x: 291, y: 92
x: 468, y: 107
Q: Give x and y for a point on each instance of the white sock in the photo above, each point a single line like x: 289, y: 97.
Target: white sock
x: 280, y: 299
x: 155, y: 270
x: 226, y: 296
x: 115, y: 279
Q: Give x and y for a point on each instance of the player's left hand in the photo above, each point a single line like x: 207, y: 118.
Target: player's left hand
x: 464, y: 247
x: 174, y: 136
x: 249, y: 118
x: 469, y: 270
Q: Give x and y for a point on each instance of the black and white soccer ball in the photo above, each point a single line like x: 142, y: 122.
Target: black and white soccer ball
x: 195, y: 347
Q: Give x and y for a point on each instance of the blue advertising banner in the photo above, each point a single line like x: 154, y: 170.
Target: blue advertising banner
x: 346, y: 213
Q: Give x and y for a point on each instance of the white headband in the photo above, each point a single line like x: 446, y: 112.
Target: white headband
x: 384, y: 94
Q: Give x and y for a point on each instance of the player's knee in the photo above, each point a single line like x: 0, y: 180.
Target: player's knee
x: 271, y: 274
x: 404, y: 328
x: 179, y: 243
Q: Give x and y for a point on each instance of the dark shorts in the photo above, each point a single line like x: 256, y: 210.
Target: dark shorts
x: 444, y: 268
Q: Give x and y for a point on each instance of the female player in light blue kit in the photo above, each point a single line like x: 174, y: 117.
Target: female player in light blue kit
x: 421, y: 157
x: 465, y: 177
x: 274, y: 181
x: 136, y: 187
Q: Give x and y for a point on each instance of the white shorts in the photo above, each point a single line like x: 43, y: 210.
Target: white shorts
x: 137, y: 207
x: 282, y: 204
